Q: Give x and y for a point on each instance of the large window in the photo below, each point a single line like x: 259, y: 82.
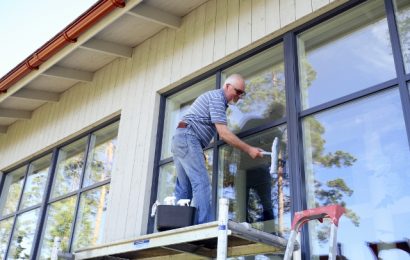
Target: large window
x: 77, y: 193
x: 348, y: 53
x: 353, y: 160
x: 20, y: 202
x: 339, y: 129
x: 356, y: 154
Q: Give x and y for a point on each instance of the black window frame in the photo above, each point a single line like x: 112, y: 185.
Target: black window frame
x: 294, y: 112
x: 47, y: 200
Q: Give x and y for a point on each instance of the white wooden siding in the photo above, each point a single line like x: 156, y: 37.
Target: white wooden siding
x: 209, y: 35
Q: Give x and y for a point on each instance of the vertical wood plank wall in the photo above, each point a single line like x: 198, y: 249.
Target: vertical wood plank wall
x: 130, y: 87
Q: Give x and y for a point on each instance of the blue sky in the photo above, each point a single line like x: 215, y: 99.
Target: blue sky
x: 25, y: 25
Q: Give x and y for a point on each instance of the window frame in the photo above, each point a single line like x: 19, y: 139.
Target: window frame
x: 47, y: 200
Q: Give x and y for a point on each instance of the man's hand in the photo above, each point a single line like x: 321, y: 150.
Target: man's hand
x: 255, y: 152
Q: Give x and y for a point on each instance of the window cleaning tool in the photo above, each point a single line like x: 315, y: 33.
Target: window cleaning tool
x: 274, y: 156
x: 334, y: 212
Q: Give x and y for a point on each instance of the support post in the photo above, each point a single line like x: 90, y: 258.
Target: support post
x: 223, y: 229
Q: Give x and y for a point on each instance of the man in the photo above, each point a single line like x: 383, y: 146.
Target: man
x: 206, y: 116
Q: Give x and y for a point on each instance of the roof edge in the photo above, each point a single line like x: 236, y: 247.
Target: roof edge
x: 68, y: 35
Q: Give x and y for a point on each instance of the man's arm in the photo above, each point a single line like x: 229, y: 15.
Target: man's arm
x: 233, y: 140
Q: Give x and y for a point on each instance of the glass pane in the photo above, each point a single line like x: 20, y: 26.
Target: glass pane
x: 176, y: 106
x: 357, y: 155
x: 348, y: 53
x: 60, y: 216
x: 255, y: 195
x: 403, y: 23
x: 91, y: 217
x: 168, y: 177
x: 265, y: 98
x: 101, y: 155
x: 23, y: 235
x: 5, y: 230
x: 69, y: 167
x: 36, y: 182
x: 11, y: 191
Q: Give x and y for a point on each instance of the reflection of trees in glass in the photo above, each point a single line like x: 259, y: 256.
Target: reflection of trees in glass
x: 33, y: 193
x: 59, y: 221
x: 101, y: 160
x: 11, y: 191
x: 23, y: 235
x: 332, y: 191
x: 5, y: 230
x: 91, y: 217
x: 265, y: 99
x: 68, y: 174
x: 403, y: 23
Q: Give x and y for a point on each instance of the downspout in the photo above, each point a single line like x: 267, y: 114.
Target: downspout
x: 58, y: 42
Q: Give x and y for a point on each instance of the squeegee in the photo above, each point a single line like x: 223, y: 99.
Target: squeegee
x: 273, y: 156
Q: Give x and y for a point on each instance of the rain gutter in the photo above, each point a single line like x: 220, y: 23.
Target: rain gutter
x: 58, y: 42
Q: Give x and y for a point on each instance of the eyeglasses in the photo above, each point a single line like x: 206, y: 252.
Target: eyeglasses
x: 239, y: 92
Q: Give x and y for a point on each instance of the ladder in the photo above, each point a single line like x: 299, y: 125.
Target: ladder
x: 334, y: 212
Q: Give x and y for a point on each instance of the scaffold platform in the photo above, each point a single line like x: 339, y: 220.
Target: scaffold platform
x: 200, y: 240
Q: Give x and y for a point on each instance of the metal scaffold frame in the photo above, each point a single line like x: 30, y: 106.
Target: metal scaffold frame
x: 211, y: 240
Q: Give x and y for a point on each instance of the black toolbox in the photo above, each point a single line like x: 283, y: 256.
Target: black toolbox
x: 171, y: 217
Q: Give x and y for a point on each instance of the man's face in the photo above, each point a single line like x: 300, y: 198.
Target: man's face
x: 235, y: 91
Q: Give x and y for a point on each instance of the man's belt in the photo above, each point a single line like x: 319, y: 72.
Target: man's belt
x: 182, y: 124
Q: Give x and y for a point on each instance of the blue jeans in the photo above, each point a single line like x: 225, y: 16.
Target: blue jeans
x: 192, y: 176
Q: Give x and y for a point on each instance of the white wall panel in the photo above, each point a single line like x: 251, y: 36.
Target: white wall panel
x: 287, y: 12
x: 316, y: 4
x: 198, y: 39
x: 272, y: 15
x: 220, y: 29
x: 130, y: 86
x: 232, y: 26
x: 245, y: 23
x: 209, y: 37
x: 258, y: 19
x: 302, y: 8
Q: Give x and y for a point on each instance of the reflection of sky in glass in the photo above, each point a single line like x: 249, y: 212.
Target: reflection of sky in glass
x: 372, y: 130
x: 346, y: 64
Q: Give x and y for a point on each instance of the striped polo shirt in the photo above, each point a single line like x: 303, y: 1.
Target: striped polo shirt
x: 208, y: 109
